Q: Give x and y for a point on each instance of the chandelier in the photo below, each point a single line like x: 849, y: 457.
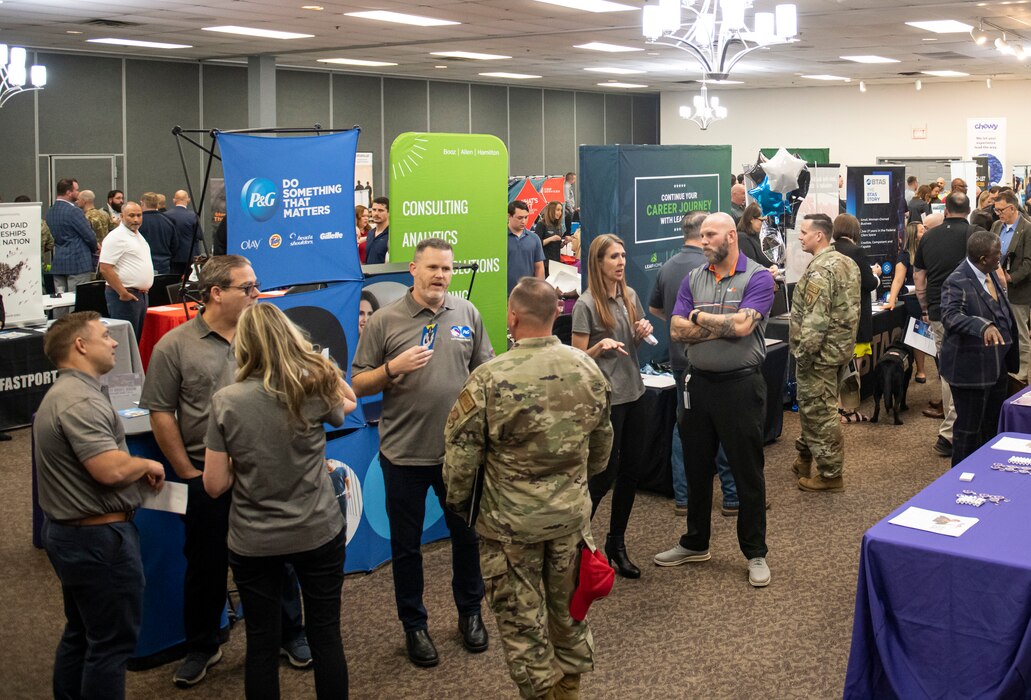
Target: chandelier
x: 716, y: 32
x: 705, y: 111
x: 14, y: 76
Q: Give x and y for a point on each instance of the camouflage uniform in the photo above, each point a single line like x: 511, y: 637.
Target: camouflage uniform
x: 538, y: 418
x: 101, y: 223
x: 46, y: 244
x: 824, y: 318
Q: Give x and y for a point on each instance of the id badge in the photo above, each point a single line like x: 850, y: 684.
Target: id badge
x: 429, y: 336
x: 687, y: 393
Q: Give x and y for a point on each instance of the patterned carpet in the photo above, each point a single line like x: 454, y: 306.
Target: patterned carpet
x: 696, y: 631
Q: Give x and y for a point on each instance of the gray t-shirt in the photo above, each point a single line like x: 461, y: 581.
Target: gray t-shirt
x: 283, y: 499
x: 622, y: 371
x: 75, y: 422
x: 189, y: 364
x: 415, y: 406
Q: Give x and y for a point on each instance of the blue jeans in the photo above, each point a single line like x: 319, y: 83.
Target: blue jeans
x: 132, y: 311
x: 101, y: 576
x: 676, y: 458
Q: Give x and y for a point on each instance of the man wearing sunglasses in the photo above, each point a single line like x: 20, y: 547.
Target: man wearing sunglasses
x: 189, y: 364
x: 1014, y: 231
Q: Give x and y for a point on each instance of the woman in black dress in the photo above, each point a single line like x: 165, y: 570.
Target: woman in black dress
x: 551, y: 227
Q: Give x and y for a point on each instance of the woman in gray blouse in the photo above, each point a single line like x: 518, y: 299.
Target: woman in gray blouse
x: 266, y: 441
x: 609, y: 324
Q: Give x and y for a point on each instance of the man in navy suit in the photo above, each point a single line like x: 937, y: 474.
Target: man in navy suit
x: 159, y: 233
x: 189, y: 236
x: 980, y: 345
x: 74, y: 239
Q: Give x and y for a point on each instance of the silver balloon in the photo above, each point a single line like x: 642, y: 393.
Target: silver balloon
x: 773, y: 244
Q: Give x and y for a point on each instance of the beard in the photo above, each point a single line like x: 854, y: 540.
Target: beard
x: 717, y: 255
x: 116, y: 207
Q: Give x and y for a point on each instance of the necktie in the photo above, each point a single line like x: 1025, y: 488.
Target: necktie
x: 991, y: 288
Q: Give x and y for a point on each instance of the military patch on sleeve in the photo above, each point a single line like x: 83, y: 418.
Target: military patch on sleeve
x: 813, y: 290
x: 453, y: 416
x: 466, y: 402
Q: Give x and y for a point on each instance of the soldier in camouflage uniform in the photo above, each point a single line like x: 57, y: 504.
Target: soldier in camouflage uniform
x: 99, y: 220
x: 824, y: 318
x: 538, y: 418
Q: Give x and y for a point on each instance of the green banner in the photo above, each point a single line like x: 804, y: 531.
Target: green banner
x: 455, y: 187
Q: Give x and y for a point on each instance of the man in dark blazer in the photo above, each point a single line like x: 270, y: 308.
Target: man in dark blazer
x: 1015, y: 233
x: 980, y: 344
x: 74, y: 239
x: 189, y: 235
x: 159, y: 231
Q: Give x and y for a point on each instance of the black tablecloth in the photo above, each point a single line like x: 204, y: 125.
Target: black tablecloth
x: 25, y: 376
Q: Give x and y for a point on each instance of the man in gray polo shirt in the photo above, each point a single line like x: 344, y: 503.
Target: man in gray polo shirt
x: 419, y: 351
x: 525, y: 252
x: 189, y: 364
x: 89, y: 487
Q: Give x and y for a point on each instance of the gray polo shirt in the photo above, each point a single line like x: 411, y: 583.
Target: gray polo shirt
x: 416, y: 406
x: 189, y: 364
x: 622, y: 371
x: 283, y: 499
x: 75, y: 422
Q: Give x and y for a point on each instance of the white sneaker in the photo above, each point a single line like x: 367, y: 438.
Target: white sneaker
x: 681, y: 555
x: 758, y: 572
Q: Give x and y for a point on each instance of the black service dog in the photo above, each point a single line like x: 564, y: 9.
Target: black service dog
x: 891, y: 380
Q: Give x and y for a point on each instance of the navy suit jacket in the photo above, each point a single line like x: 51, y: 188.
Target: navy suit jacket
x: 967, y: 310
x: 187, y: 228
x: 159, y: 232
x: 74, y: 239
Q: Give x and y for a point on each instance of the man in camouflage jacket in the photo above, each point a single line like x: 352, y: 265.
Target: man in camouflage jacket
x: 824, y: 318
x: 537, y: 420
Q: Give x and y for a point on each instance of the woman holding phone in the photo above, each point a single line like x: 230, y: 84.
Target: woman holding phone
x: 266, y: 441
x: 609, y: 324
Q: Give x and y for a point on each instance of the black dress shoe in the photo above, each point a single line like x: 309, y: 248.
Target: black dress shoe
x: 421, y: 651
x: 474, y: 634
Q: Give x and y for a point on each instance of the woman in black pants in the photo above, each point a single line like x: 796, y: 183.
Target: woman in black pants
x: 266, y: 441
x: 609, y: 324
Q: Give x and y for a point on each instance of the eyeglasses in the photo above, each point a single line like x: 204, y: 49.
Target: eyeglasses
x: 245, y: 288
x: 1000, y: 210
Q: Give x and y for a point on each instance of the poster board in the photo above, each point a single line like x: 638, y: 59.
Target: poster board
x: 20, y: 263
x: 875, y: 195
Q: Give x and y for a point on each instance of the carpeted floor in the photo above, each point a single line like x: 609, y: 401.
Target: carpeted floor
x: 696, y: 631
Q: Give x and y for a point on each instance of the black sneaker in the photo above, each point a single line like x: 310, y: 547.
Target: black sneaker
x: 297, y: 652
x: 194, y: 667
x: 942, y: 448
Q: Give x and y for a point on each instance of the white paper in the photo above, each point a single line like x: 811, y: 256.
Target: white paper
x: 1022, y: 400
x: 933, y: 521
x: 920, y: 337
x: 171, y: 498
x: 658, y: 381
x: 563, y: 277
x: 1009, y: 444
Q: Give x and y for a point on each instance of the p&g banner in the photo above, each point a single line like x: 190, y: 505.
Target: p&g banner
x: 290, y: 204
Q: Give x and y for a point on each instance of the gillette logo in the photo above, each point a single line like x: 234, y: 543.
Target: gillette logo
x: 259, y: 198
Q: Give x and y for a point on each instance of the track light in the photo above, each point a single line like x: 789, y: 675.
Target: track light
x: 979, y: 36
x: 988, y: 83
x: 862, y: 86
x: 919, y: 85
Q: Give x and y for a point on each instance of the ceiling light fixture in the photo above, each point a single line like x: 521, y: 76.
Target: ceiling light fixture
x: 261, y: 33
x: 138, y: 43
x: 511, y: 76
x: 312, y: 7
x: 356, y: 62
x: 827, y: 78
x: 609, y: 48
x: 590, y: 5
x: 616, y: 71
x: 717, y: 34
x: 471, y: 55
x: 942, y: 26
x: 919, y: 84
x: 616, y: 84
x: 988, y: 83
x: 945, y: 73
x: 14, y: 79
x: 869, y: 59
x: 862, y: 86
x: 706, y: 110
x: 400, y: 18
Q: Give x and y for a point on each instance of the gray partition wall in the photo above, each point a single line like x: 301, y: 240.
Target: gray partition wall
x: 103, y: 113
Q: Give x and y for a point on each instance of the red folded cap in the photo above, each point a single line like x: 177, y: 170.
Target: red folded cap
x: 596, y: 579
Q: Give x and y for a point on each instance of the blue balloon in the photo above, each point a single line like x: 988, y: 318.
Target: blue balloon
x: 769, y: 201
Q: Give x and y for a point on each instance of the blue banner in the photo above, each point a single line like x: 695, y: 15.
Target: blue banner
x: 330, y: 317
x: 368, y: 530
x: 290, y: 206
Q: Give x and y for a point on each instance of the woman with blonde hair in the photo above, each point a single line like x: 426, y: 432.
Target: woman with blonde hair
x: 609, y: 324
x: 266, y: 441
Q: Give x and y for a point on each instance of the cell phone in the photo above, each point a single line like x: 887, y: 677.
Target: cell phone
x: 429, y: 336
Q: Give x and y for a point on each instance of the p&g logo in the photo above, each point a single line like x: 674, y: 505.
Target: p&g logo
x: 259, y: 198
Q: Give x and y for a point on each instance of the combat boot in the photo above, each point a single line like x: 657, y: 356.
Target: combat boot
x: 568, y: 688
x: 822, y: 484
x: 803, y: 466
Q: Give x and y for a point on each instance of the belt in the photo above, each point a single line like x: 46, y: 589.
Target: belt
x: 726, y: 376
x: 103, y: 519
x: 128, y: 289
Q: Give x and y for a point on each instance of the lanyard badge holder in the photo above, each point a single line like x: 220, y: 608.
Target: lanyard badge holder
x: 429, y: 336
x: 687, y: 393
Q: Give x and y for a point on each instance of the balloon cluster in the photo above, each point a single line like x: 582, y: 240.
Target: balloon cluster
x: 779, y: 185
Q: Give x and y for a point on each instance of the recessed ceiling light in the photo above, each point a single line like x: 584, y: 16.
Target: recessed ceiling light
x: 930, y: 38
x: 312, y: 7
x: 610, y: 48
x: 440, y: 66
x: 591, y: 5
x: 262, y: 33
x: 511, y: 76
x: 141, y: 44
x: 616, y: 71
x: 826, y: 77
x: 869, y: 59
x: 470, y: 55
x: 942, y: 26
x: 945, y: 73
x: 401, y: 18
x: 70, y: 31
x: 622, y: 85
x: 356, y: 62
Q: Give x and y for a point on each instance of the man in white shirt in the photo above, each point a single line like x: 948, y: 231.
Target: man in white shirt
x: 126, y: 266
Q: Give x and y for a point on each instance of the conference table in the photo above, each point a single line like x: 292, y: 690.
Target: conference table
x: 949, y: 617
x: 1016, y: 417
x: 61, y: 301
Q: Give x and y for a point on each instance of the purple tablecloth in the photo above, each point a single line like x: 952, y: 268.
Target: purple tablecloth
x: 948, y: 617
x: 1015, y: 419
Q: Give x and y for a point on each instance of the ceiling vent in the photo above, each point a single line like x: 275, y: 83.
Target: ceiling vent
x: 111, y: 23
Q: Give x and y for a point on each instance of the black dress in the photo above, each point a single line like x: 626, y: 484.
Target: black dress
x: 867, y: 283
x: 553, y: 250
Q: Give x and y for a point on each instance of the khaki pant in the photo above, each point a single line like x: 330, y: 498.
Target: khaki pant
x: 528, y: 587
x: 822, y: 439
x: 945, y: 430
